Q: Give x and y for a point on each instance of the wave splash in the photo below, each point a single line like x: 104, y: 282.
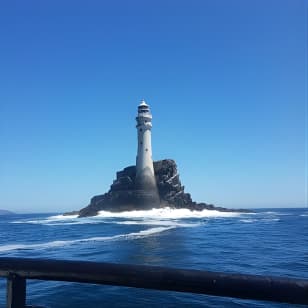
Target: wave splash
x: 163, y: 217
x: 168, y: 213
x: 55, y: 244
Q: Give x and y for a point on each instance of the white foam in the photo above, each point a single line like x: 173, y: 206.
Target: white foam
x: 248, y: 220
x: 63, y: 217
x: 55, y: 244
x: 153, y: 222
x: 79, y: 221
x: 259, y: 220
x: 163, y: 217
x: 270, y: 219
x: 10, y: 247
x: 168, y: 213
x: 76, y: 221
x: 58, y: 220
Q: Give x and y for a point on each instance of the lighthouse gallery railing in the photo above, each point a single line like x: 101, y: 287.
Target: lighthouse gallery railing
x: 18, y: 270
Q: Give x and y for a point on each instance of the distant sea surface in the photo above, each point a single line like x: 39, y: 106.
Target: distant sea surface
x: 268, y: 242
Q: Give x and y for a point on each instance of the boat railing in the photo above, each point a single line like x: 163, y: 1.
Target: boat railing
x: 254, y: 287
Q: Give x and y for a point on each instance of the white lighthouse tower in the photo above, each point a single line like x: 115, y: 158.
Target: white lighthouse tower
x: 145, y: 178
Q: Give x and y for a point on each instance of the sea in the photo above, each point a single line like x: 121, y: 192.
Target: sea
x: 265, y: 242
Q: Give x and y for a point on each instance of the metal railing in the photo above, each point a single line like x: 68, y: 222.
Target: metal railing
x: 18, y: 270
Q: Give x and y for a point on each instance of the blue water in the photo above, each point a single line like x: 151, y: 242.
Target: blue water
x: 269, y: 242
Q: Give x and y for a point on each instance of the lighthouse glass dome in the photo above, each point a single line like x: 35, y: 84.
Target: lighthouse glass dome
x: 143, y: 107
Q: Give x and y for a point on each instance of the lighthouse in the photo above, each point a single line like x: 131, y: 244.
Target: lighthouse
x: 145, y: 177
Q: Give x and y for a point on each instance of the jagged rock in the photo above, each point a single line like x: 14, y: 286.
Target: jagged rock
x: 123, y: 195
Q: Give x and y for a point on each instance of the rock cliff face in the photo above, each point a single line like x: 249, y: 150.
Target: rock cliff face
x: 123, y: 195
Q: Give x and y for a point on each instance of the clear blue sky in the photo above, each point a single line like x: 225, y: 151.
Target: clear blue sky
x: 226, y: 82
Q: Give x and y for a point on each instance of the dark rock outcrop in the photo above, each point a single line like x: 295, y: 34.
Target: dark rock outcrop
x: 123, y: 195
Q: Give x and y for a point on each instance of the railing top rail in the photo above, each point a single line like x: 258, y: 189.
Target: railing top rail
x: 290, y: 290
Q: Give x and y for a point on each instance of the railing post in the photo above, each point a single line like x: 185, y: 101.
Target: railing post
x: 16, y: 292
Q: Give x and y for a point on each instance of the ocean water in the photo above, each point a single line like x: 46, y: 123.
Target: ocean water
x: 267, y: 242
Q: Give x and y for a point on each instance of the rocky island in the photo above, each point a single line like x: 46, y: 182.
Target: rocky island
x: 148, y: 184
x: 124, y: 196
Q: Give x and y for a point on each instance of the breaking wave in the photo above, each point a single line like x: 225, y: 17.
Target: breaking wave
x: 168, y: 213
x: 68, y: 219
x: 55, y: 244
x: 162, y: 217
